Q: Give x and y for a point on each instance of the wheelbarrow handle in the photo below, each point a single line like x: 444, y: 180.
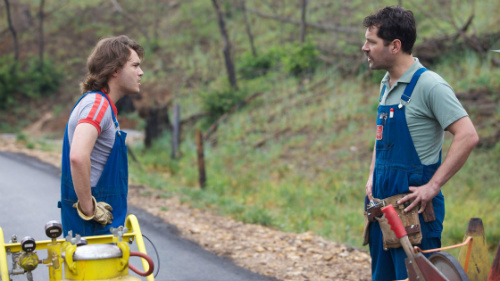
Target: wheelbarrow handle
x: 395, y: 222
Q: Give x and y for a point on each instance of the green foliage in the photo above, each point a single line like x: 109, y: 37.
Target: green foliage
x: 301, y: 58
x: 26, y: 80
x: 295, y: 59
x: 9, y: 80
x: 22, y: 138
x: 219, y: 101
x: 40, y: 81
x: 251, y: 67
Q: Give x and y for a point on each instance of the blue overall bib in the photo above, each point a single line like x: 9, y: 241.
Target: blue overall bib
x: 111, y: 188
x: 397, y: 167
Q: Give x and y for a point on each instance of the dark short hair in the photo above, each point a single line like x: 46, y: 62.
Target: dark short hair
x: 109, y: 55
x: 394, y: 22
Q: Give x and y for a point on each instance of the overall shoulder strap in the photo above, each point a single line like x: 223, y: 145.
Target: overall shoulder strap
x: 381, y: 94
x: 406, y: 96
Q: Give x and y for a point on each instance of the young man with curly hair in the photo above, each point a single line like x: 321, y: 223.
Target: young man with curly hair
x: 94, y: 180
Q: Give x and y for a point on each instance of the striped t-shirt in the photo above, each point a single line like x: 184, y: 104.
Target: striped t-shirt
x: 95, y: 110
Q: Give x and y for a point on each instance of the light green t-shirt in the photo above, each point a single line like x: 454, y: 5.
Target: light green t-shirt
x: 432, y: 108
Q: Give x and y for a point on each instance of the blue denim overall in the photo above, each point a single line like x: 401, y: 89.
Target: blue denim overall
x: 111, y: 188
x: 397, y: 167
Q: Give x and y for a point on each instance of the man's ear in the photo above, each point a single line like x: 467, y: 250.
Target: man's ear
x: 395, y: 46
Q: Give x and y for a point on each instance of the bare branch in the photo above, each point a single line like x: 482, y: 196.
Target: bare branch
x: 323, y: 27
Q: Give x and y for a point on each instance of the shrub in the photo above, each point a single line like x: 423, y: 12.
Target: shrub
x: 296, y: 59
x: 20, y: 80
x: 251, y: 67
x: 218, y: 102
x: 301, y: 59
x: 8, y: 80
x: 40, y: 81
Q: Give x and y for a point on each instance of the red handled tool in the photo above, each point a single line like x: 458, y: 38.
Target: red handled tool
x: 418, y: 266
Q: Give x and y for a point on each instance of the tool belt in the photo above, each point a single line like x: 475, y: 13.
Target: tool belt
x: 410, y: 220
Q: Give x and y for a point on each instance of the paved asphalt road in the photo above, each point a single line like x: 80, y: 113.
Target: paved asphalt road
x: 29, y: 191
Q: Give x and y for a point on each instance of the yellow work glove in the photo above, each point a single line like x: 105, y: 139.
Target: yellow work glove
x: 102, y: 212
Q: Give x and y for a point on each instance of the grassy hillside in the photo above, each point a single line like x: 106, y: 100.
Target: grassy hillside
x: 296, y: 158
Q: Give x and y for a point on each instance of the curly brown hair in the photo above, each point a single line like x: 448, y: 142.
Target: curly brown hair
x: 109, y: 55
x: 394, y: 22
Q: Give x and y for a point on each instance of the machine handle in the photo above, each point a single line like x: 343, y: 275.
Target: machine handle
x: 394, y: 220
x: 147, y: 258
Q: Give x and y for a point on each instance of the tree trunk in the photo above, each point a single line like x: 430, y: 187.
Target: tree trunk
x: 157, y: 121
x: 202, y: 175
x: 156, y: 20
x: 247, y: 25
x: 303, y: 22
x: 40, y: 32
x: 175, y: 132
x: 227, y: 46
x: 12, y: 30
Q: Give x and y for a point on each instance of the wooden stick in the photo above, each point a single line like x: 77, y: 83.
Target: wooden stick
x: 201, y: 159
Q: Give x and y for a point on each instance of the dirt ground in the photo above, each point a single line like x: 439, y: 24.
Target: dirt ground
x: 284, y: 256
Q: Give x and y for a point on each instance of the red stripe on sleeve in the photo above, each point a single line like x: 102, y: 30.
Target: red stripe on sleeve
x: 96, y: 105
x: 101, y: 113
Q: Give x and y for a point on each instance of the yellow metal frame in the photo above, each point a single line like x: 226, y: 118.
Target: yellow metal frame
x: 133, y: 233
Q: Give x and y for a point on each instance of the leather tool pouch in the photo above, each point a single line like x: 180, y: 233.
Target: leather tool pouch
x: 410, y: 221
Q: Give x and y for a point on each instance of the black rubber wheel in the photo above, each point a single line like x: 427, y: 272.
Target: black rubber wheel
x: 449, y: 266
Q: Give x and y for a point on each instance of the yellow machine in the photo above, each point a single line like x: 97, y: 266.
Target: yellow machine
x: 104, y: 257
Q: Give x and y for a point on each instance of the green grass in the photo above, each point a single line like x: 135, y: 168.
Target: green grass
x: 467, y: 71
